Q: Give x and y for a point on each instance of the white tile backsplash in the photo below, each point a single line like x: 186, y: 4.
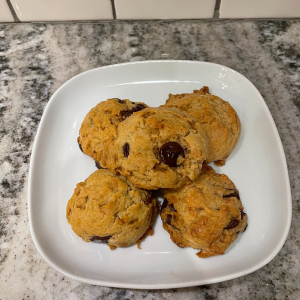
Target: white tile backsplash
x: 62, y: 10
x: 72, y: 10
x: 164, y: 9
x: 5, y: 14
x: 260, y: 9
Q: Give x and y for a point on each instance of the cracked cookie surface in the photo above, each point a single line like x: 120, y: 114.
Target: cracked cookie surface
x: 108, y: 208
x: 101, y: 124
x: 218, y: 118
x: 205, y: 214
x: 157, y: 148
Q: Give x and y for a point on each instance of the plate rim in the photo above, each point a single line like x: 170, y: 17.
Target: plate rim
x: 167, y: 285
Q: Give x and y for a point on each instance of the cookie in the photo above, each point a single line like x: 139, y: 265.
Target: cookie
x: 157, y: 148
x: 205, y: 214
x: 218, y: 118
x: 101, y: 123
x: 108, y: 208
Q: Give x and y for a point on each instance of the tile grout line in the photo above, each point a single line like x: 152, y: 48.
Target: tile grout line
x: 17, y: 20
x: 217, y: 10
x: 113, y: 9
x: 155, y: 20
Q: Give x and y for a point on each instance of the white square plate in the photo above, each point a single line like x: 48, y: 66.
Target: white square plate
x: 257, y: 166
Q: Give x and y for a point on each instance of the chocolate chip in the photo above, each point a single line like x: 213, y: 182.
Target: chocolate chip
x: 120, y: 101
x: 245, y: 228
x: 98, y: 165
x: 242, y: 214
x: 138, y: 107
x: 148, y: 200
x: 126, y: 149
x: 164, y: 205
x: 127, y: 113
x: 172, y: 208
x: 233, y: 194
x: 169, y: 153
x: 232, y: 224
x: 100, y: 239
x: 133, y: 102
x: 168, y: 221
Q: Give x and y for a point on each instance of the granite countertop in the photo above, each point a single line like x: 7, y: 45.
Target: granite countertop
x: 36, y: 59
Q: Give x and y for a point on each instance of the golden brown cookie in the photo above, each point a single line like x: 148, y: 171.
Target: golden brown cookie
x: 218, y: 118
x: 108, y: 208
x: 205, y: 214
x: 101, y: 123
x: 157, y: 148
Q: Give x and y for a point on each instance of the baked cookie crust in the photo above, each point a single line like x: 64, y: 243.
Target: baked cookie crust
x: 100, y: 125
x: 217, y: 117
x: 108, y: 208
x: 205, y: 214
x: 157, y: 148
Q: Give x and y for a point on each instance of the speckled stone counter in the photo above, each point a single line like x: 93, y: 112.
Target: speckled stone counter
x: 36, y: 59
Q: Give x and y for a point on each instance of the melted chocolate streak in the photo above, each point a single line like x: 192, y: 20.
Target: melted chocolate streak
x: 232, y: 224
x: 127, y: 113
x: 168, y: 221
x: 234, y: 194
x: 97, y: 164
x: 164, y: 205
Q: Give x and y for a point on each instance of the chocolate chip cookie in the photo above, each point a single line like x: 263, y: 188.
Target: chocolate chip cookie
x: 108, y: 208
x: 205, y: 214
x: 157, y: 148
x: 218, y: 118
x: 101, y: 123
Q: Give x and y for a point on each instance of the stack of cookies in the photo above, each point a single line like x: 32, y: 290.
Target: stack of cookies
x: 138, y: 149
